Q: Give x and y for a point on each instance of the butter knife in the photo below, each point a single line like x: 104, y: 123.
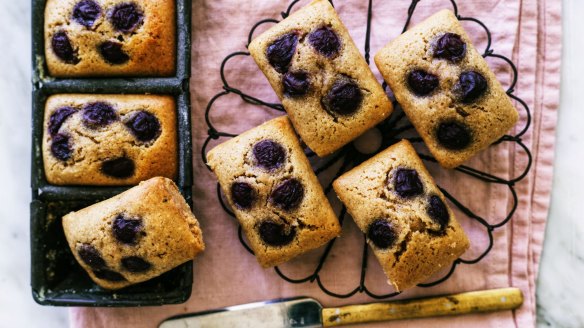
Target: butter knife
x: 307, y: 312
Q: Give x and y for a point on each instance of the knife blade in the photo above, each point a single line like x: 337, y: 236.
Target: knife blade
x: 307, y: 312
x: 294, y: 312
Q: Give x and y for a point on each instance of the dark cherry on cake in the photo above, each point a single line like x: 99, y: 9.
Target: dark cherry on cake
x: 407, y: 183
x: 438, y: 212
x: 344, y: 97
x: 288, y: 195
x: 126, y: 17
x: 90, y: 255
x: 113, y: 53
x: 450, y: 47
x: 61, y: 147
x: 243, y: 195
x: 269, y: 154
x: 276, y: 234
x: 382, y: 233
x: 63, y: 49
x: 325, y: 41
x: 86, y: 12
x: 98, y: 114
x: 144, y: 126
x: 120, y: 168
x: 127, y: 230
x: 296, y: 83
x: 59, y: 117
x: 281, y: 51
x: 422, y: 83
x: 135, y: 264
x: 453, y: 135
x: 471, y: 86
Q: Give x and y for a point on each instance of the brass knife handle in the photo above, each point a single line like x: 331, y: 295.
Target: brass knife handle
x: 463, y: 303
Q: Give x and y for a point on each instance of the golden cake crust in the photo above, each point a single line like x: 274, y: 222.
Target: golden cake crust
x: 488, y: 118
x: 314, y: 221
x: 422, y: 248
x: 92, y: 146
x: 151, y: 47
x: 170, y: 234
x: 321, y: 131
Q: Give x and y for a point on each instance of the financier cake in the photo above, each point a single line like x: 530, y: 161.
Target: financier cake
x: 108, y: 140
x: 134, y: 236
x: 323, y: 81
x: 446, y: 89
x: 273, y: 192
x: 394, y: 201
x: 110, y: 37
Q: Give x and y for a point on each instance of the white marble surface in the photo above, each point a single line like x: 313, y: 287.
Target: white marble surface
x: 560, y: 294
x: 560, y: 287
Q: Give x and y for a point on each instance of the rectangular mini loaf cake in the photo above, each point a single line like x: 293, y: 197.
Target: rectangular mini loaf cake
x: 395, y: 202
x: 324, y: 83
x: 134, y: 236
x: 274, y: 193
x: 446, y: 89
x: 110, y: 38
x: 109, y: 139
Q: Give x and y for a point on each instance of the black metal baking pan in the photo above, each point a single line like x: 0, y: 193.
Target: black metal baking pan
x: 56, y: 278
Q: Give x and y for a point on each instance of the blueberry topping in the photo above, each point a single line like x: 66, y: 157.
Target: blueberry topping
x: 382, y: 233
x: 126, y: 17
x: 135, y: 264
x: 438, y: 211
x: 325, y: 41
x: 296, y: 84
x: 126, y: 230
x: 243, y: 195
x: 112, y: 53
x: 421, y: 82
x: 63, y: 49
x: 450, y: 47
x: 61, y: 147
x: 86, y: 12
x: 58, y: 118
x: 90, y: 256
x: 288, y: 195
x: 98, y: 114
x: 120, y: 168
x: 269, y: 154
x: 407, y: 183
x: 275, y: 234
x: 144, y: 125
x: 471, y: 86
x: 344, y: 98
x: 280, y: 52
x: 453, y: 135
x: 107, y: 274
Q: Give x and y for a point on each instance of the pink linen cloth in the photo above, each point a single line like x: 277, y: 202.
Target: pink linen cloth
x: 527, y: 31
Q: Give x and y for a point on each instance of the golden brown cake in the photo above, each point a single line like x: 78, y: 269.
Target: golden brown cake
x: 446, y: 89
x: 109, y: 139
x: 134, y: 236
x: 320, y: 76
x: 273, y: 192
x: 110, y: 38
x: 395, y: 202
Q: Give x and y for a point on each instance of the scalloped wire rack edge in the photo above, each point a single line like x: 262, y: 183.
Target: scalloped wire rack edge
x: 351, y: 157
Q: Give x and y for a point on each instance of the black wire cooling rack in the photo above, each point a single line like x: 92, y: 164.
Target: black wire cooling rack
x: 392, y: 130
